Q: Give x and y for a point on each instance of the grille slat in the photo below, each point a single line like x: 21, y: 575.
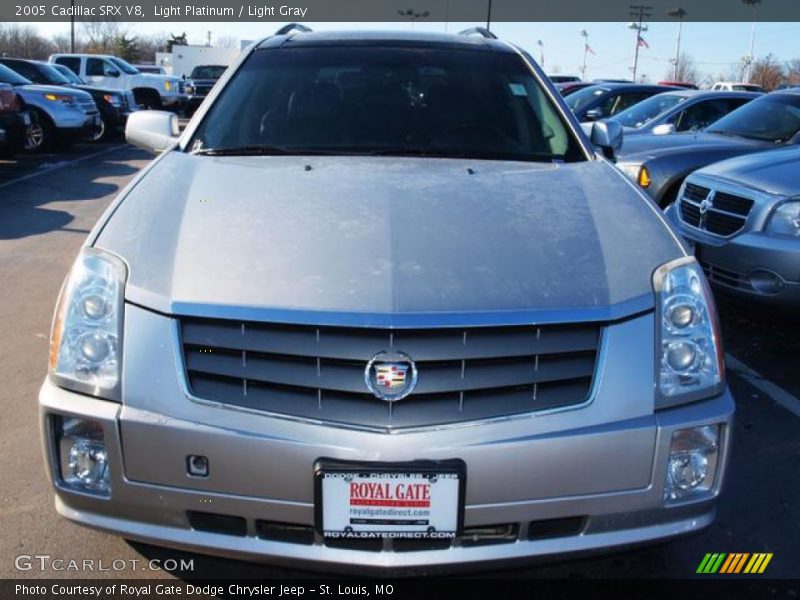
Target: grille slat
x: 695, y: 192
x: 318, y: 373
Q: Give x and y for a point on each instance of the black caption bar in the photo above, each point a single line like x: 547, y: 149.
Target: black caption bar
x: 397, y: 589
x: 458, y: 11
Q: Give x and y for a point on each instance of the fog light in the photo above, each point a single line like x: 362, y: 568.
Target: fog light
x: 766, y: 282
x: 692, y: 462
x: 83, y: 460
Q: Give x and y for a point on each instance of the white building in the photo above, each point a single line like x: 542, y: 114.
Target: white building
x: 183, y: 59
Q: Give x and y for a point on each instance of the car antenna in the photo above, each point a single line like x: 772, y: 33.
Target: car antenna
x: 293, y: 27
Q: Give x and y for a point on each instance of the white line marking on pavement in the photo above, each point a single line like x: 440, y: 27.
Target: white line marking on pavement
x: 776, y: 393
x: 48, y: 168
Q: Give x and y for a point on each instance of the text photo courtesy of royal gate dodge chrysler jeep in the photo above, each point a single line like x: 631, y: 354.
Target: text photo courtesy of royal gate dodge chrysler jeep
x: 417, y: 297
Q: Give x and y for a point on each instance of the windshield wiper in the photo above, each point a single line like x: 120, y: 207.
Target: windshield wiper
x: 256, y: 150
x: 472, y: 155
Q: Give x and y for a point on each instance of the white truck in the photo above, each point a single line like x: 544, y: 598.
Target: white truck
x: 150, y: 91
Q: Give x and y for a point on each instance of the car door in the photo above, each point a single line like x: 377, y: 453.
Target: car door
x: 103, y: 73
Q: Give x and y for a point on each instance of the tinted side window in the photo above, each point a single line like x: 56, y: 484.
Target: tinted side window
x: 94, y: 67
x: 701, y: 115
x: 628, y: 100
x: 72, y: 62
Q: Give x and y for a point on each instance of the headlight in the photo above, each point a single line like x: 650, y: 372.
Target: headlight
x: 68, y: 100
x: 85, y: 343
x: 785, y: 219
x: 689, y: 350
x: 113, y: 100
x: 167, y: 85
x: 189, y: 88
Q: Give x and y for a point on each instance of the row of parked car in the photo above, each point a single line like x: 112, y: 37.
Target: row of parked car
x: 723, y: 164
x: 47, y: 105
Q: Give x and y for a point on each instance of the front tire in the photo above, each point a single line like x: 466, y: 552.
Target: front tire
x: 40, y: 136
x: 103, y: 132
x: 148, y: 99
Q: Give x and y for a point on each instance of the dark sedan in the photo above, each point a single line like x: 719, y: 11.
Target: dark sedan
x: 607, y: 99
x: 114, y: 105
x: 14, y: 122
x: 659, y: 163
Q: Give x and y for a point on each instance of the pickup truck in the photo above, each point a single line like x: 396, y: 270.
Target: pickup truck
x: 150, y: 91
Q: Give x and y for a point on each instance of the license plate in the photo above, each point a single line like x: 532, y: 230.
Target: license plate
x: 417, y: 500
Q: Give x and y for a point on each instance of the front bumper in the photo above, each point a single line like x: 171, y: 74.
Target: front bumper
x: 730, y: 264
x: 598, y: 468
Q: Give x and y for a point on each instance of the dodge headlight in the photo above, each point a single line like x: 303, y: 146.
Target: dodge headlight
x: 689, y: 351
x: 85, y: 343
x: 785, y: 219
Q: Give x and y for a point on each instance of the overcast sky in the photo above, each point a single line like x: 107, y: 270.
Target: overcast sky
x: 714, y: 46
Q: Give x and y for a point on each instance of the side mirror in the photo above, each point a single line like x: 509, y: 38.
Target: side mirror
x: 607, y: 136
x: 112, y: 73
x: 664, y: 129
x: 152, y: 130
x: 593, y: 115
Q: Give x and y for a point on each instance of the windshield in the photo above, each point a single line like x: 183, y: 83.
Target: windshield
x: 772, y: 118
x: 9, y: 76
x: 123, y: 66
x: 645, y: 111
x: 389, y: 101
x: 68, y: 74
x: 207, y: 72
x: 585, y: 97
x: 52, y: 75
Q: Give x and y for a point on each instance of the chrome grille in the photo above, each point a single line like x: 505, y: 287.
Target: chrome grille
x: 87, y: 105
x: 716, y: 212
x: 318, y: 372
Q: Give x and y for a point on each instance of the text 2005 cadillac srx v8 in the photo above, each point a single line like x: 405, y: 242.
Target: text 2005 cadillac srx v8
x: 384, y: 305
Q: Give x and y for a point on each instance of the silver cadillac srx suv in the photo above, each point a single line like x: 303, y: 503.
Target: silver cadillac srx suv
x: 383, y: 305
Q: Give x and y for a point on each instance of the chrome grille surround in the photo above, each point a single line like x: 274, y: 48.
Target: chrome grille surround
x: 713, y: 211
x: 317, y: 373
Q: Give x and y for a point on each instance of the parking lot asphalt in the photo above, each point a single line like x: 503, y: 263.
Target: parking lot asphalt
x: 47, y: 206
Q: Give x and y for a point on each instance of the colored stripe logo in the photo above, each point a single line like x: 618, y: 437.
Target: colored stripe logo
x: 735, y: 562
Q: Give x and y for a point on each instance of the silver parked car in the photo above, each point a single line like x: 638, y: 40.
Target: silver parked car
x: 308, y: 331
x: 742, y: 216
x: 679, y: 111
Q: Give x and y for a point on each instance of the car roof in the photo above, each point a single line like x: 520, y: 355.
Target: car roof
x: 378, y: 38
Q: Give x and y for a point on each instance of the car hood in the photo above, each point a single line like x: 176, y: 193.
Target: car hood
x: 52, y: 89
x: 774, y: 171
x: 643, y: 147
x: 359, y: 236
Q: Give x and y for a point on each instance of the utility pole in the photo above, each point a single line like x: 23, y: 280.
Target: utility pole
x: 489, y: 16
x: 748, y: 61
x: 540, y: 43
x: 639, y: 12
x: 680, y: 14
x: 208, y: 39
x: 585, y: 36
x: 72, y: 27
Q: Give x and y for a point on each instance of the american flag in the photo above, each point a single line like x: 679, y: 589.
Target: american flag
x: 641, y: 43
x: 589, y: 49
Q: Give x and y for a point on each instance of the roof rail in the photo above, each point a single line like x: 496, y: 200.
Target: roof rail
x: 481, y: 31
x: 293, y: 27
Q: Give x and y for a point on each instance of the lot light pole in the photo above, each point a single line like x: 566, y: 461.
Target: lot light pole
x: 412, y: 15
x: 72, y: 27
x: 540, y: 43
x: 750, y: 58
x: 680, y: 14
x: 585, y: 36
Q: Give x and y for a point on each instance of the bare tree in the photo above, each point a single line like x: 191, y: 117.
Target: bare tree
x: 23, y: 42
x: 793, y: 72
x: 767, y: 72
x: 102, y: 36
x: 685, y: 71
